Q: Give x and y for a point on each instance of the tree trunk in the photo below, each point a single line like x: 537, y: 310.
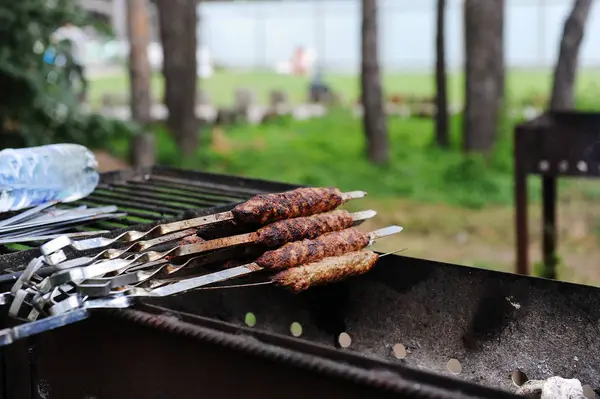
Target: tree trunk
x: 441, y: 99
x: 142, y: 152
x: 178, y: 24
x: 139, y: 66
x: 374, y: 119
x: 566, y: 66
x: 484, y: 70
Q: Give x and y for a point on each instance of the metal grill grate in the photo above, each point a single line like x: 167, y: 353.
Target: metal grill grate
x: 159, y: 193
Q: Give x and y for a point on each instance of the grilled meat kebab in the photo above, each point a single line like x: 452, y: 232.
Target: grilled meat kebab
x: 326, y: 271
x: 283, y: 231
x: 261, y: 209
x: 306, y: 251
x: 298, y: 253
x: 266, y: 208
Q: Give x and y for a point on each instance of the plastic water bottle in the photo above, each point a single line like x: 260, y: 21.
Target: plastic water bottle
x: 37, y: 175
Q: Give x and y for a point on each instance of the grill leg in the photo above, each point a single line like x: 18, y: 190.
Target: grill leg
x: 521, y: 224
x: 521, y: 231
x: 549, y: 227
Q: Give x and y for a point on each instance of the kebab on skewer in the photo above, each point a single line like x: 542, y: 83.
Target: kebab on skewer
x: 326, y: 271
x: 271, y: 235
x: 285, y: 231
x: 289, y: 256
x: 259, y: 210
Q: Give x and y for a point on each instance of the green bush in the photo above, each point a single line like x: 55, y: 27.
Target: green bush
x: 38, y: 104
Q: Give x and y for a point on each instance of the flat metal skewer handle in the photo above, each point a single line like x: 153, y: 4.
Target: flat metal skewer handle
x: 133, y: 235
x: 115, y: 253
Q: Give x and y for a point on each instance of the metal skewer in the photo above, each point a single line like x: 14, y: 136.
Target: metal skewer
x: 126, y: 298
x: 50, y: 236
x: 75, y: 307
x: 204, y: 246
x: 80, y: 273
x: 26, y: 214
x: 45, y: 222
x: 112, y: 253
x: 72, y: 216
x: 133, y: 235
x: 92, y: 288
x: 192, y: 283
x: 220, y: 287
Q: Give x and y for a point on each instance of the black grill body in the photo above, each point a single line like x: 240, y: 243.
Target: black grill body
x: 197, y: 343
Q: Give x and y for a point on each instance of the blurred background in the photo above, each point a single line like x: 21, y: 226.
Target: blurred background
x: 413, y: 101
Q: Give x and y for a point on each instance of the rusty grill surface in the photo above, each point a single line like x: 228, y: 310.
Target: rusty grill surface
x: 491, y: 323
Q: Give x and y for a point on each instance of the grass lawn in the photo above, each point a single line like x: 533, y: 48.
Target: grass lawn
x: 222, y: 85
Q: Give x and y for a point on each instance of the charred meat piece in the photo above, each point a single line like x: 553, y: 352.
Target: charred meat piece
x: 289, y: 230
x: 326, y: 271
x: 301, y: 252
x: 266, y: 208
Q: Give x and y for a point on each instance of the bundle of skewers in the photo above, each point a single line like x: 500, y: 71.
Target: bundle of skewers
x: 296, y: 240
x: 49, y: 221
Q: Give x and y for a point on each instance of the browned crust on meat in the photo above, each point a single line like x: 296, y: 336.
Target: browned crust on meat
x: 326, y: 271
x: 309, y: 227
x: 301, y: 252
x: 266, y: 208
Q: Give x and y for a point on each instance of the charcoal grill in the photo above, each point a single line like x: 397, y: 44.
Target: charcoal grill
x: 492, y: 323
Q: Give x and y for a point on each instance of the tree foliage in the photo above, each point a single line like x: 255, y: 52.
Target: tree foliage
x: 38, y: 105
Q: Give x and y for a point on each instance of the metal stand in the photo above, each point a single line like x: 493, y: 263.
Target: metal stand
x: 553, y: 145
